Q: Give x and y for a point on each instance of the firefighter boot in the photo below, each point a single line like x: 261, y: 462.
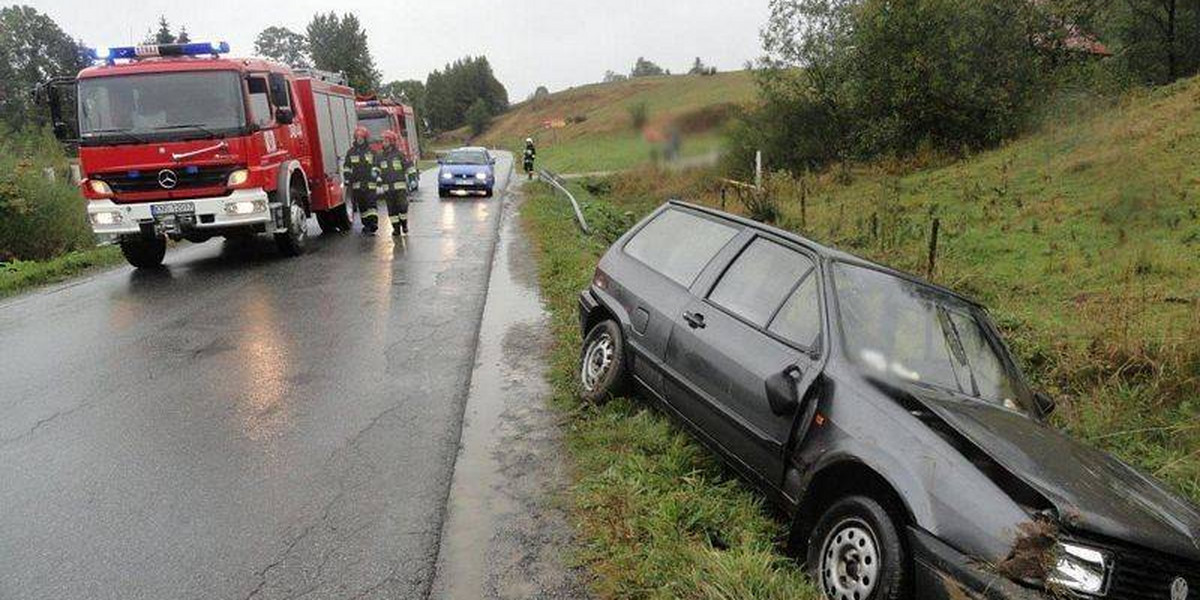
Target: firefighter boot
x: 370, y: 221
x: 397, y: 225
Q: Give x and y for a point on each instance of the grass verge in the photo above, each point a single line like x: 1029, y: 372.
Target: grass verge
x: 657, y: 514
x: 21, y: 275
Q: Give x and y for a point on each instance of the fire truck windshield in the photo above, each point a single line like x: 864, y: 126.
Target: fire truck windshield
x: 375, y: 124
x: 160, y: 106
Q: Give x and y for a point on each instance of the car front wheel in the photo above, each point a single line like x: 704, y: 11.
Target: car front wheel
x: 855, y: 552
x: 602, y: 363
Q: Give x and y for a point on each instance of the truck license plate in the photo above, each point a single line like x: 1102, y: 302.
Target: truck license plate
x: 174, y: 208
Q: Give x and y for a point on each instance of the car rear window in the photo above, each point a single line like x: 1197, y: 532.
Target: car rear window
x: 679, y: 244
x: 759, y: 280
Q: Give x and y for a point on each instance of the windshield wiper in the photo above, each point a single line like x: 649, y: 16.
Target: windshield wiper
x: 117, y: 130
x: 196, y: 126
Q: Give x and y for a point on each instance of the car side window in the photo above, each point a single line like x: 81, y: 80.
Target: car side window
x: 260, y: 104
x: 279, y: 91
x: 799, y: 320
x: 679, y: 244
x: 759, y: 280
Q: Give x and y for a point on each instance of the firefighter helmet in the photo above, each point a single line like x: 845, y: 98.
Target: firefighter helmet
x: 361, y: 132
x: 390, y: 137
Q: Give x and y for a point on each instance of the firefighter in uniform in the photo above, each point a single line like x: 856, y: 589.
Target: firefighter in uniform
x: 360, y: 173
x: 530, y: 155
x: 393, y: 174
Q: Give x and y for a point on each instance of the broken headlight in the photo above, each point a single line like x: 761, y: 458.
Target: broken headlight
x: 1079, y: 569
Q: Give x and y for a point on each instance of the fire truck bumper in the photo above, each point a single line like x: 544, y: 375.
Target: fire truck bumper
x: 242, y: 209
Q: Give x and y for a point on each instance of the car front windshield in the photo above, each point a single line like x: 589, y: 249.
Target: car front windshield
x: 466, y: 157
x: 903, y: 330
x: 204, y: 103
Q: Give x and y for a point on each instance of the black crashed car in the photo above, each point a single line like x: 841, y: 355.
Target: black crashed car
x: 883, y: 413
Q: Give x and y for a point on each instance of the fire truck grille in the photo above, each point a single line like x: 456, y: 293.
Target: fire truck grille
x: 150, y: 180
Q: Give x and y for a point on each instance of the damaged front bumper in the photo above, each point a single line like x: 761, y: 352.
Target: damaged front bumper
x: 943, y: 573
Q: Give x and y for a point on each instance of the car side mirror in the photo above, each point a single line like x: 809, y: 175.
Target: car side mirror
x: 441, y: 161
x: 491, y: 161
x: 284, y: 116
x: 783, y: 391
x: 1044, y: 405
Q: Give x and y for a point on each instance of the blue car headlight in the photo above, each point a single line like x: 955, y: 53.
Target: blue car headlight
x: 447, y: 175
x: 482, y: 176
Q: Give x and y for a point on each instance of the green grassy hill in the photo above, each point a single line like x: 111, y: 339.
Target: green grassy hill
x: 1083, y: 238
x: 589, y: 128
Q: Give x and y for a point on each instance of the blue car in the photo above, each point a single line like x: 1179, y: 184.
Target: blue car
x: 466, y: 171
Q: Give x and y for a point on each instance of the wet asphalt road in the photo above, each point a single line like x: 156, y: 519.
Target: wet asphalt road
x: 241, y: 425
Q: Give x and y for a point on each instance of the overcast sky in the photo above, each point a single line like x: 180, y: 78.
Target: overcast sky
x: 556, y: 43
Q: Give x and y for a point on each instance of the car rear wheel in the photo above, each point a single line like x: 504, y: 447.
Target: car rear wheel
x: 602, y: 372
x: 144, y: 253
x: 855, y: 552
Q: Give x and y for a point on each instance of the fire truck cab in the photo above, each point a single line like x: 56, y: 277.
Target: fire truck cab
x: 379, y: 115
x: 178, y: 142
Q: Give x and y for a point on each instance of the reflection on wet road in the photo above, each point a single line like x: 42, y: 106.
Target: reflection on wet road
x: 239, y: 424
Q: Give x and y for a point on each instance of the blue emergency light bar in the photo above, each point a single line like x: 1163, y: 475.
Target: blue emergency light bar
x: 152, y: 50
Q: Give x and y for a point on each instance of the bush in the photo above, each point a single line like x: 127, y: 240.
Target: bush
x: 479, y: 116
x: 39, y: 219
x: 639, y: 115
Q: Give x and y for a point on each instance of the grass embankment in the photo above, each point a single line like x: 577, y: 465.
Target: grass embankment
x: 20, y: 275
x: 659, y: 518
x: 1083, y: 239
x: 595, y: 130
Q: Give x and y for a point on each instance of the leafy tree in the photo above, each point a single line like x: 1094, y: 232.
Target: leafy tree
x: 183, y: 37
x: 32, y: 49
x: 698, y: 67
x: 411, y: 91
x: 646, y: 68
x: 1158, y: 40
x: 478, y: 116
x: 541, y: 92
x: 613, y: 76
x: 340, y: 44
x: 283, y: 45
x: 450, y: 93
x: 859, y: 78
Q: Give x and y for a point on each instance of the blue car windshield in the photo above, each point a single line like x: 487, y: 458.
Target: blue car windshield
x: 466, y: 157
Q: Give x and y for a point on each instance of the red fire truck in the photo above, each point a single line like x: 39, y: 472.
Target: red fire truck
x: 177, y: 142
x: 379, y: 115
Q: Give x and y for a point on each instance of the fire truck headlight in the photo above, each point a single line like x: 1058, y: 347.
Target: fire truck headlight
x: 245, y: 207
x: 99, y: 188
x: 238, y: 177
x: 106, y: 218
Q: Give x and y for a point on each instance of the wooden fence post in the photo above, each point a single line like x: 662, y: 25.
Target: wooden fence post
x: 933, y: 240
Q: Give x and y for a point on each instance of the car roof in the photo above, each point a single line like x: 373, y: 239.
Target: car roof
x: 470, y: 148
x: 824, y: 251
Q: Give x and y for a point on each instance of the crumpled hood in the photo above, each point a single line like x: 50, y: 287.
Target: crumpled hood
x: 1092, y: 490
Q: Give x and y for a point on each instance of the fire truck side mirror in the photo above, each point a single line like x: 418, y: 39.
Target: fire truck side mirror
x: 62, y: 131
x: 284, y: 116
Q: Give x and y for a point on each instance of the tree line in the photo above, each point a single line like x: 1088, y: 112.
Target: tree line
x: 856, y: 79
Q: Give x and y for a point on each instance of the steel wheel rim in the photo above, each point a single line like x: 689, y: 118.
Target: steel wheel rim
x: 597, y: 360
x: 850, y: 561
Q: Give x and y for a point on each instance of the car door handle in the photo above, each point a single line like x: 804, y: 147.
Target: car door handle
x: 694, y: 320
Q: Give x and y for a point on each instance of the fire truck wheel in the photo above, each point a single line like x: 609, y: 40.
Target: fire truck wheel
x: 144, y: 253
x: 345, y: 216
x: 292, y: 240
